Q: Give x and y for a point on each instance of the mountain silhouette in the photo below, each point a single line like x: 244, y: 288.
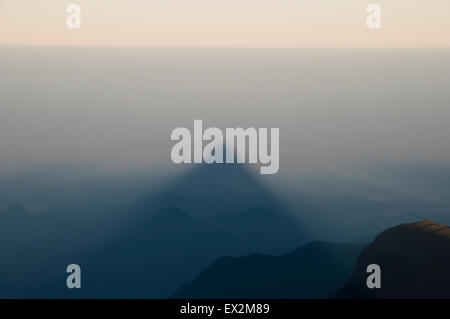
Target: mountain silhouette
x: 223, y: 210
x: 414, y: 260
x: 218, y: 189
x: 171, y: 216
x: 169, y: 247
x: 315, y: 270
x: 151, y: 246
x: 155, y: 202
x: 15, y: 212
x: 15, y: 218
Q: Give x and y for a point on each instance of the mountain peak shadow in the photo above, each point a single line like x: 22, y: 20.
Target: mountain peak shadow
x: 219, y: 189
x: 170, y: 216
x: 155, y: 202
x: 16, y: 209
x: 15, y: 213
x: 211, y: 211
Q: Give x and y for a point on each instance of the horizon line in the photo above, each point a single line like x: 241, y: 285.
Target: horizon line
x: 220, y: 47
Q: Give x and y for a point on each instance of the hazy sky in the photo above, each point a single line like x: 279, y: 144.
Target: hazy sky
x: 227, y: 23
x: 116, y: 107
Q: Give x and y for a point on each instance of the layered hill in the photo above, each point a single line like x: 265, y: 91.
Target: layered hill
x: 316, y: 270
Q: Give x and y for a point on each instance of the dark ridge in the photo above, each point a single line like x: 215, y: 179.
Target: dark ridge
x: 316, y: 270
x: 414, y: 260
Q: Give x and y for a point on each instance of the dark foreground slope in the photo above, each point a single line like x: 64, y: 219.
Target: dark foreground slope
x: 414, y: 260
x: 315, y: 270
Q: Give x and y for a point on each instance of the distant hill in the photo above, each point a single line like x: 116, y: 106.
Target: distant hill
x: 148, y: 247
x: 153, y: 203
x: 316, y: 270
x: 414, y: 260
x: 170, y: 247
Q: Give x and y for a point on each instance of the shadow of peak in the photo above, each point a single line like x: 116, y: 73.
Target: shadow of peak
x: 16, y: 210
x: 257, y: 212
x: 155, y: 202
x: 15, y: 214
x: 218, y: 189
x: 170, y: 215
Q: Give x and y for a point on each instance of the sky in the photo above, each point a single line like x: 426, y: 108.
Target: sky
x: 107, y: 96
x: 111, y: 92
x: 117, y: 107
x: 230, y: 23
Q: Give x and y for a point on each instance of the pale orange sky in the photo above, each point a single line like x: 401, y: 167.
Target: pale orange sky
x: 227, y: 23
